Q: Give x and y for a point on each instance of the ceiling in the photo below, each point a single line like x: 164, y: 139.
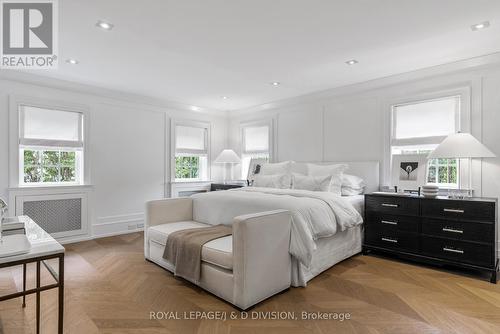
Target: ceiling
x: 195, y: 52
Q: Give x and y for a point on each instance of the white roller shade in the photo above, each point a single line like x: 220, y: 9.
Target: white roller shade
x: 434, y: 118
x: 256, y: 139
x: 190, y: 139
x: 50, y: 128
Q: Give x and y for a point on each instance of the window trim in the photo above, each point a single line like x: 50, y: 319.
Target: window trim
x: 269, y: 122
x: 258, y: 123
x: 464, y: 91
x: 190, y: 123
x: 15, y: 101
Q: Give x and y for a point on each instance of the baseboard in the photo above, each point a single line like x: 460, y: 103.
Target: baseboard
x: 113, y: 234
x: 116, y: 225
x: 73, y: 239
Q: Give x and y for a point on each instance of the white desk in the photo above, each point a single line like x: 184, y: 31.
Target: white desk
x: 43, y: 247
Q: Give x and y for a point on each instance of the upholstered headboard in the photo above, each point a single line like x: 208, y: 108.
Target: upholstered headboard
x: 367, y: 170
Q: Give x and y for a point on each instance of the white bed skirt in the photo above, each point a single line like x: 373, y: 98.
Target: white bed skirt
x: 329, y: 252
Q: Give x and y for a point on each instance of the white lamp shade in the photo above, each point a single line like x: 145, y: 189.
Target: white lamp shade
x: 461, y: 145
x: 228, y: 157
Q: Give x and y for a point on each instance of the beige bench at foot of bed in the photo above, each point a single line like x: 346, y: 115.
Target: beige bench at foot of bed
x: 251, y: 265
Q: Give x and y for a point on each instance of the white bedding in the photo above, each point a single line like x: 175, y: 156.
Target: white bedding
x: 315, y: 214
x: 358, y: 202
x: 329, y: 251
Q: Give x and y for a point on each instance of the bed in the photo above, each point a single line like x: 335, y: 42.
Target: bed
x: 319, y: 252
x: 281, y: 237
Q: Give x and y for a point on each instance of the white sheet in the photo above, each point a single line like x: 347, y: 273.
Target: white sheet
x: 358, y: 202
x: 315, y: 214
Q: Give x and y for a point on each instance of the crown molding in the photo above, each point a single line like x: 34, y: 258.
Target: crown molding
x: 378, y: 83
x: 74, y: 87
x: 475, y: 63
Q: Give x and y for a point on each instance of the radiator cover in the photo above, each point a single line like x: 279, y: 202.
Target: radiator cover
x: 55, y: 216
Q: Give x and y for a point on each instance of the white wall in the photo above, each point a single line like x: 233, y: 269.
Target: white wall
x: 129, y: 141
x: 352, y: 123
x: 128, y: 152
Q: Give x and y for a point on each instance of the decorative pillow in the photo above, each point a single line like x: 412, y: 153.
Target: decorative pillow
x: 313, y: 183
x: 335, y: 171
x: 276, y: 168
x: 353, y: 181
x: 280, y: 181
x: 352, y: 185
x: 348, y: 191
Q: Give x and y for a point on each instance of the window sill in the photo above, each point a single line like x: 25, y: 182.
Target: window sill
x: 54, y: 186
x: 190, y: 181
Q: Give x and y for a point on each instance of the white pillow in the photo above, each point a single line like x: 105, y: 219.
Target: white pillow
x: 348, y: 191
x: 353, y: 181
x: 352, y: 185
x: 335, y: 171
x: 313, y: 183
x: 280, y: 181
x: 276, y: 168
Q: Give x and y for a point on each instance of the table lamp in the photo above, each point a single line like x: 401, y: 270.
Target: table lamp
x: 461, y: 146
x: 228, y: 157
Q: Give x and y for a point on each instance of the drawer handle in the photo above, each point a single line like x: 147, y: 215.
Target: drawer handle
x: 452, y: 230
x: 388, y: 222
x: 451, y: 250
x: 390, y: 240
x: 454, y: 210
x: 390, y: 205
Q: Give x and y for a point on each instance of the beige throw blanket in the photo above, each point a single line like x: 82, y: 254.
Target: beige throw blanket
x: 183, y: 249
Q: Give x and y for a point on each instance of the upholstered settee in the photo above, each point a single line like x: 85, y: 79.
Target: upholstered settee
x: 245, y: 268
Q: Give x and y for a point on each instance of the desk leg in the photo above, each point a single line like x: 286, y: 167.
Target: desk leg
x: 24, y: 284
x: 61, y: 295
x: 38, y: 297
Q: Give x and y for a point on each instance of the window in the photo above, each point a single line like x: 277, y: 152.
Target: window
x: 419, y: 127
x: 191, y: 152
x: 50, y: 146
x: 255, y: 144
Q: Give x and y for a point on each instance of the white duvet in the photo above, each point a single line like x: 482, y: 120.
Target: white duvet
x: 314, y: 214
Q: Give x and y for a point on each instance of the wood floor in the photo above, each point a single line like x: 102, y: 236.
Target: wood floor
x: 110, y: 288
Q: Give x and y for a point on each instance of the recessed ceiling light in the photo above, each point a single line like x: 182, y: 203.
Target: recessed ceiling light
x: 195, y: 108
x: 275, y: 83
x: 72, y: 61
x: 479, y: 26
x: 104, y: 25
x: 351, y: 62
x: 224, y: 97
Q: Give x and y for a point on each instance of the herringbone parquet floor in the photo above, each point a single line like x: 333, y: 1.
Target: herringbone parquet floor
x: 111, y: 289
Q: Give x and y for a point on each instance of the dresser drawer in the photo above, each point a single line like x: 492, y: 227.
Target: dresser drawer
x: 396, y: 240
x: 460, y: 230
x: 459, y: 251
x: 377, y: 220
x: 460, y: 210
x: 392, y: 205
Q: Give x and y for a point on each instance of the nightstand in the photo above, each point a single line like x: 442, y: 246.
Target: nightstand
x: 440, y: 231
x: 222, y: 186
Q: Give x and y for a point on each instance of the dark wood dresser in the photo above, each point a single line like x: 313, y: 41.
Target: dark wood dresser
x: 224, y: 186
x: 440, y: 231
